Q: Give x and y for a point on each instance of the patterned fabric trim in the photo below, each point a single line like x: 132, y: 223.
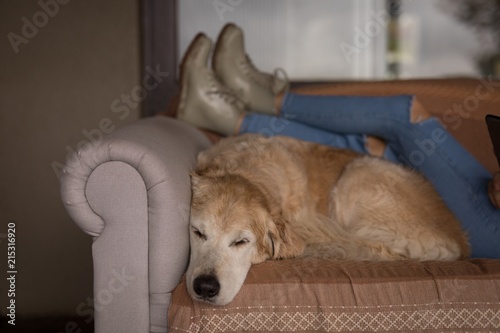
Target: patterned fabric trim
x: 389, y: 321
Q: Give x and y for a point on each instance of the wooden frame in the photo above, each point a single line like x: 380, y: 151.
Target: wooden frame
x: 159, y: 50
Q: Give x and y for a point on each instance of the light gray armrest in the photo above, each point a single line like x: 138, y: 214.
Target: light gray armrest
x: 131, y: 192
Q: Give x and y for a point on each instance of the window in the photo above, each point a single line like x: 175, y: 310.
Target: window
x: 318, y: 40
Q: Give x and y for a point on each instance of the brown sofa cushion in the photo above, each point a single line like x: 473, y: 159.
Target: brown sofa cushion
x: 313, y: 295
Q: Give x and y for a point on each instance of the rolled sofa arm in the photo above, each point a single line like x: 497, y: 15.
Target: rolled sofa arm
x: 131, y: 192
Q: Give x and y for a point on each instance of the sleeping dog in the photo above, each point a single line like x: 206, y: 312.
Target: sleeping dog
x: 256, y: 198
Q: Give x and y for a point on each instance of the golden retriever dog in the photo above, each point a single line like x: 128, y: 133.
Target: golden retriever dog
x: 257, y: 198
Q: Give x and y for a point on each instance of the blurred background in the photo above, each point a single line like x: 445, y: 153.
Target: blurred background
x: 55, y: 91
x: 361, y: 39
x: 65, y: 65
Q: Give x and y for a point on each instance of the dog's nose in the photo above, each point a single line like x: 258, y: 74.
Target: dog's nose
x: 206, y: 286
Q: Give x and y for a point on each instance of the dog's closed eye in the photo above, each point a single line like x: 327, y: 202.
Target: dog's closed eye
x: 198, y: 233
x: 240, y: 242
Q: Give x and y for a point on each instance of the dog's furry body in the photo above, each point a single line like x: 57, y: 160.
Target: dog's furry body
x: 258, y: 198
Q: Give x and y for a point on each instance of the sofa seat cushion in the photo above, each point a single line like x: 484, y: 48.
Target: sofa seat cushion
x: 313, y: 295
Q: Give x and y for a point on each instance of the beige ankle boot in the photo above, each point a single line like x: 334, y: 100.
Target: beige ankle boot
x: 204, y: 101
x: 235, y: 69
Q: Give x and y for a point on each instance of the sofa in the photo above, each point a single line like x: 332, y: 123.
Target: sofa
x: 131, y: 193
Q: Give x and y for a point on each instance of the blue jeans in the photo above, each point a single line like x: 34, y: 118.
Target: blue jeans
x: 345, y: 121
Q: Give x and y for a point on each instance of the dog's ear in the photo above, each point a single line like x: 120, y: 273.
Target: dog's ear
x: 199, y: 194
x: 195, y: 178
x: 198, y: 174
x: 284, y: 241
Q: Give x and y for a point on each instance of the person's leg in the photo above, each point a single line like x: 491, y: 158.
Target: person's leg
x: 348, y: 114
x: 272, y: 125
x: 424, y: 145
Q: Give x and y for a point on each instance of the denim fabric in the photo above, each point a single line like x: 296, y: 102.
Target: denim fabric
x: 345, y: 121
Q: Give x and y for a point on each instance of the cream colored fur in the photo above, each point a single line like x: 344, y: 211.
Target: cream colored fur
x: 258, y: 198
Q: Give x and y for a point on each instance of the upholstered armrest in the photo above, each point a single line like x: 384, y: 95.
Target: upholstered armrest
x: 131, y: 192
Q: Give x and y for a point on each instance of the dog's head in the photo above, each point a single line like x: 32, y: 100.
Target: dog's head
x: 233, y: 225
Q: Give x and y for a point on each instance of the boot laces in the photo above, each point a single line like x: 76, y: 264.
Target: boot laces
x: 273, y: 82
x: 225, y: 93
x: 280, y: 84
x: 254, y: 74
